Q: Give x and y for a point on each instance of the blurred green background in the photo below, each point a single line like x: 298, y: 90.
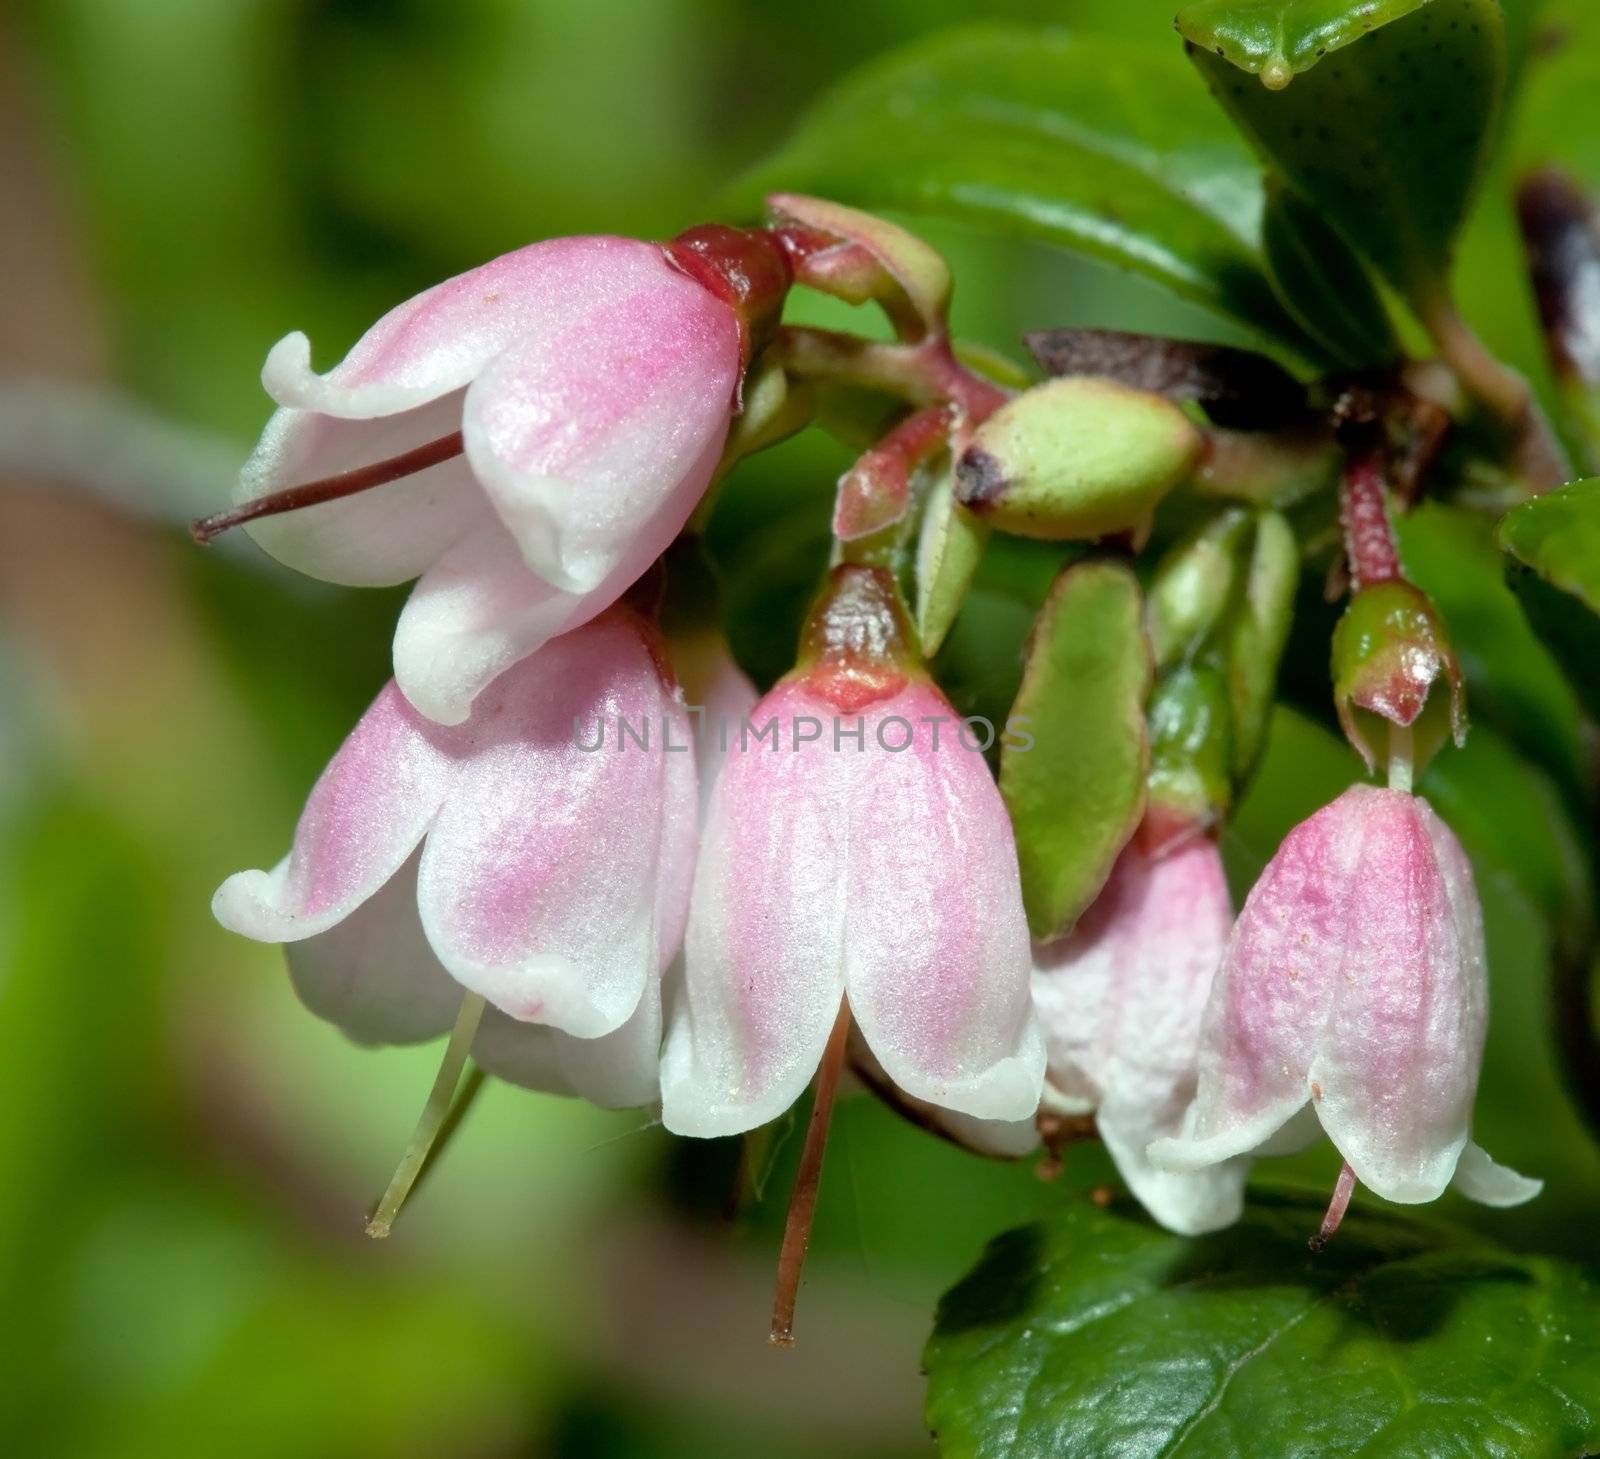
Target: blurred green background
x: 185, y: 1155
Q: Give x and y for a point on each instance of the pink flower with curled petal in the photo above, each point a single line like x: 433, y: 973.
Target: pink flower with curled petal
x: 865, y: 859
x: 537, y: 429
x: 1120, y: 1000
x: 532, y: 855
x: 1352, y: 999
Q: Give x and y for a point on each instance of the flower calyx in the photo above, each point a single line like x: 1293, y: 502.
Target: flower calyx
x: 857, y: 645
x: 746, y: 268
x: 1389, y: 650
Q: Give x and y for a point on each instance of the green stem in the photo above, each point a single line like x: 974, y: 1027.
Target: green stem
x: 1402, y: 757
x: 434, y: 1116
x: 924, y: 373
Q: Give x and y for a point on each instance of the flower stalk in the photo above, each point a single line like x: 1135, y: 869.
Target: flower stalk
x: 803, y: 1198
x: 432, y: 1119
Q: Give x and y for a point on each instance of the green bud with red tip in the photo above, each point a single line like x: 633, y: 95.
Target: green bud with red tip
x: 1389, y: 650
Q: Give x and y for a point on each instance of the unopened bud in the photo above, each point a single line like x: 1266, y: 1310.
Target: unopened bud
x: 948, y: 549
x: 1077, y: 458
x: 1191, y: 754
x: 1388, y: 651
x: 1192, y: 587
x: 1256, y: 634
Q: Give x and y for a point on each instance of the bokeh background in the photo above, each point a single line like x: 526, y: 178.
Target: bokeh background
x: 186, y: 1157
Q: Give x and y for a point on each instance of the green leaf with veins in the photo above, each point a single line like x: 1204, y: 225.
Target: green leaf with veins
x: 1094, y: 1332
x: 1076, y: 140
x: 1513, y: 680
x: 1553, y: 549
x: 1387, y: 138
x: 1322, y: 283
x: 1278, y: 39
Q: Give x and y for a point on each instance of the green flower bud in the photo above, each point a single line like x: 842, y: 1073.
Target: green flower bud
x: 1256, y: 635
x: 1077, y: 458
x: 948, y: 548
x: 1191, y: 754
x: 1388, y: 650
x: 1192, y: 587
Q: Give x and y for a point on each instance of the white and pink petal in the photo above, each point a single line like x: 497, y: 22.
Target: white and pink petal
x: 365, y: 816
x: 937, y: 958
x: 1397, y: 1070
x: 764, y: 955
x: 594, y: 421
x: 538, y: 882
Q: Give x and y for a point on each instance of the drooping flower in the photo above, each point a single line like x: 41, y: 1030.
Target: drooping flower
x: 539, y: 855
x: 541, y: 426
x: 1120, y: 1000
x: 1352, y: 1001
x: 856, y: 853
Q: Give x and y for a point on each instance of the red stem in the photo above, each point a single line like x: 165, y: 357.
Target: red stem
x: 876, y: 491
x: 1343, y: 1189
x: 803, y: 1199
x: 1364, y: 511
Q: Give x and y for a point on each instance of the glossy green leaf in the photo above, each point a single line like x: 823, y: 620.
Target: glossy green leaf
x: 1558, y: 536
x: 1076, y: 793
x: 1322, y: 284
x: 1513, y: 680
x: 1387, y: 138
x: 1080, y: 141
x: 1553, y: 547
x: 1278, y: 39
x: 1094, y: 1333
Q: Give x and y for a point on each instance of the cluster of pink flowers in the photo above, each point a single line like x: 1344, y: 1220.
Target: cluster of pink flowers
x: 647, y: 926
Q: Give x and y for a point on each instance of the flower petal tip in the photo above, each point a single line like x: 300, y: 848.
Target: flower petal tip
x: 1483, y: 1179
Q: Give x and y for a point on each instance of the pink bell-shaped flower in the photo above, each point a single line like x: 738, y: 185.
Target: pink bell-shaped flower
x: 1120, y: 1000
x: 856, y: 855
x: 1352, y: 1001
x: 537, y: 430
x: 539, y: 856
